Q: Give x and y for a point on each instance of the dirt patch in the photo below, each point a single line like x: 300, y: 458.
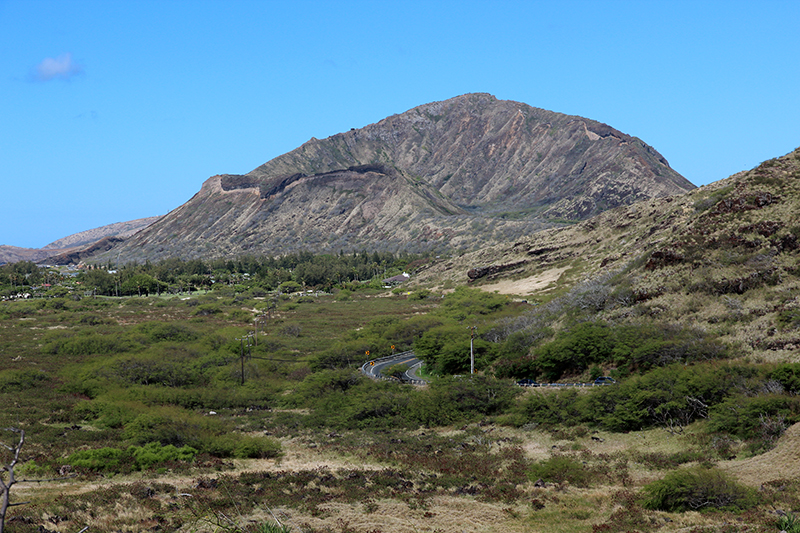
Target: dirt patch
x: 537, y: 283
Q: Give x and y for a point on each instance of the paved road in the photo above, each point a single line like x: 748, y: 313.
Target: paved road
x: 382, y: 364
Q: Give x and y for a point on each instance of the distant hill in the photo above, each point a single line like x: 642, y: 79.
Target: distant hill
x: 70, y: 247
x: 451, y: 175
x: 118, y: 229
x: 13, y: 254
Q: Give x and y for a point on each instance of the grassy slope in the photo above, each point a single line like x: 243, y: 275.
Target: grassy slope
x: 723, y: 257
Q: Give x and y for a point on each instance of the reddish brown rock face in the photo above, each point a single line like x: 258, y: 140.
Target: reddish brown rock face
x: 452, y: 175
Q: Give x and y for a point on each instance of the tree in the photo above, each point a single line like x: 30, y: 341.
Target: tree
x: 98, y: 279
x: 290, y: 286
x: 7, y: 480
x: 140, y: 284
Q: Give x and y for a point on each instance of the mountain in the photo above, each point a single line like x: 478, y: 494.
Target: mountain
x: 456, y: 175
x: 13, y: 254
x: 119, y: 229
x: 722, y: 258
x: 73, y: 248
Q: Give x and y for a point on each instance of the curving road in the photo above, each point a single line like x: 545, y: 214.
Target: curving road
x: 375, y: 370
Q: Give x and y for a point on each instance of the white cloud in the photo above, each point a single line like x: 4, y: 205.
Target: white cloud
x: 61, y: 67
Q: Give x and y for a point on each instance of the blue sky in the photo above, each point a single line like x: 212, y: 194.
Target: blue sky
x: 116, y: 110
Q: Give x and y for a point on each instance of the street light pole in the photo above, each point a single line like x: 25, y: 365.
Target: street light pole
x: 471, y: 349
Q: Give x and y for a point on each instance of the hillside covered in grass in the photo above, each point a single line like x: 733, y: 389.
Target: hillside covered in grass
x: 722, y: 259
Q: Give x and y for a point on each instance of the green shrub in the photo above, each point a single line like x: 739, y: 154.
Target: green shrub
x: 453, y: 399
x: 290, y: 286
x: 560, y: 469
x: 698, y: 489
x: 240, y: 315
x: 207, y: 310
x: 419, y: 294
x: 88, y: 344
x: 109, y: 414
x: 789, y: 523
x: 466, y: 303
x: 167, y: 331
x: 20, y: 380
x: 135, y: 301
x: 172, y: 426
x: 788, y: 375
x: 343, y: 295
x: 575, y: 350
x: 552, y: 407
x: 671, y: 397
x: 154, y: 453
x: 168, y: 366
x: 134, y: 457
x: 30, y: 469
x: 242, y: 446
x: 248, y: 447
x: 759, y: 418
x: 108, y: 459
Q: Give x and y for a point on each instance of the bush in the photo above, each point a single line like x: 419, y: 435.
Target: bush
x: 240, y: 315
x: 343, y: 295
x: 552, y: 407
x: 419, y: 294
x: 448, y: 400
x: 789, y: 523
x: 698, y: 489
x: 88, y: 344
x: 20, y: 380
x: 207, y: 310
x: 575, y: 350
x: 109, y: 414
x: 167, y: 331
x: 169, y: 425
x: 135, y: 457
x: 153, y: 453
x: 762, y: 419
x: 108, y: 459
x: 290, y: 286
x: 467, y: 303
x: 788, y: 375
x: 560, y: 469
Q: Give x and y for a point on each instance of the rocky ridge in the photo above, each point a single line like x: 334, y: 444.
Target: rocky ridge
x: 73, y: 248
x: 452, y: 175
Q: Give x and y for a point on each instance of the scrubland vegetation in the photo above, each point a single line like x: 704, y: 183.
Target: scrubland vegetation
x: 161, y: 406
x: 149, y: 403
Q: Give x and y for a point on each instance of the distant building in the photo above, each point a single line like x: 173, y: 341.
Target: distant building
x: 396, y: 280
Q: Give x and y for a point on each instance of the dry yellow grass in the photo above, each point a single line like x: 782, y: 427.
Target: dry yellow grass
x: 782, y: 462
x: 565, y: 509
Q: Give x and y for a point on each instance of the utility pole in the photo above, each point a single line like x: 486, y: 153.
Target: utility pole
x: 256, y: 324
x: 241, y: 343
x: 471, y: 349
x: 259, y: 318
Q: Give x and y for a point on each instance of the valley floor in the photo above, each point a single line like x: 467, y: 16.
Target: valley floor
x: 207, y: 500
